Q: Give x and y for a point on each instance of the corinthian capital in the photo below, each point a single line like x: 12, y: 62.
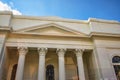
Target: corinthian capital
x: 22, y: 50
x: 61, y: 52
x: 79, y: 52
x: 42, y: 51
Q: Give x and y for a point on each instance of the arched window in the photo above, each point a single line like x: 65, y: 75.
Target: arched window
x: 13, y: 74
x: 50, y: 72
x: 116, y: 65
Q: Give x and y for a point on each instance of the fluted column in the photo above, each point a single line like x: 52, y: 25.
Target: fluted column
x: 41, y: 69
x: 61, y: 62
x: 20, y: 69
x: 79, y: 53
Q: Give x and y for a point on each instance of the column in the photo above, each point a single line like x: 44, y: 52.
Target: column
x: 20, y: 69
x: 61, y: 62
x: 79, y: 53
x: 41, y: 69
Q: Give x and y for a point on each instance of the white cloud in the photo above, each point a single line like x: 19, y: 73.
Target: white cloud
x: 6, y: 7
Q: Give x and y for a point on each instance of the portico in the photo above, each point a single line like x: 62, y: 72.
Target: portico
x: 33, y: 55
x: 44, y: 59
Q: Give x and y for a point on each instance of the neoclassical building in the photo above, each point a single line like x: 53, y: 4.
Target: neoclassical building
x: 55, y: 48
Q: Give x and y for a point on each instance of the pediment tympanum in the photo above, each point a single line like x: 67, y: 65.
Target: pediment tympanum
x: 51, y: 29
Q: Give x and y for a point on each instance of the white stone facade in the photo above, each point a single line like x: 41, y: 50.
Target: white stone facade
x: 40, y: 48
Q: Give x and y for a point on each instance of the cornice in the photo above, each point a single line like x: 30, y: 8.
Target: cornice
x: 58, y: 19
x: 50, y: 18
x: 50, y: 35
x: 6, y: 13
x: 92, y: 34
x: 103, y: 21
x: 5, y: 28
x: 104, y: 34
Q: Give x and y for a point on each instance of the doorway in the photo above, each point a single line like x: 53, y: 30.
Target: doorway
x: 14, y: 72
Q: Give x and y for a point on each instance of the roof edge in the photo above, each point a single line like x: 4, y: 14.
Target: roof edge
x: 6, y: 13
x: 102, y: 20
x: 57, y: 19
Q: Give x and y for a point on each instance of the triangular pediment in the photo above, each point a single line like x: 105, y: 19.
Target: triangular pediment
x: 51, y: 29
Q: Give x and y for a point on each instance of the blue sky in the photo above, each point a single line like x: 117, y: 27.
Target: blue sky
x: 74, y: 9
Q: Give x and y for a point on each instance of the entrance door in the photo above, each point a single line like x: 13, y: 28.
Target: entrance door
x: 50, y: 72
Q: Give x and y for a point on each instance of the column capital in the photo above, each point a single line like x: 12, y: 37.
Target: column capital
x: 79, y: 52
x: 61, y: 51
x: 42, y: 51
x: 22, y: 50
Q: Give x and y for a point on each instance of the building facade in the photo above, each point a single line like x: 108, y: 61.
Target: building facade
x: 54, y: 48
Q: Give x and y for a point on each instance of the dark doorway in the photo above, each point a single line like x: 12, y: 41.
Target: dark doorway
x: 50, y: 72
x: 14, y: 69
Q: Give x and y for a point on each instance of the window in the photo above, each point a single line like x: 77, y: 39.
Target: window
x: 50, y: 72
x: 13, y: 74
x: 116, y: 65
